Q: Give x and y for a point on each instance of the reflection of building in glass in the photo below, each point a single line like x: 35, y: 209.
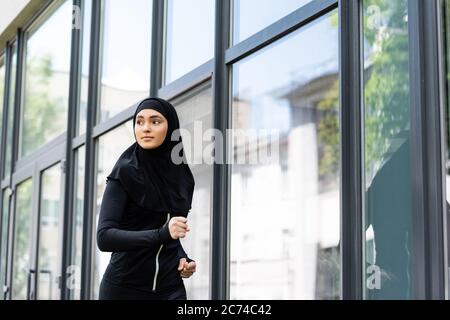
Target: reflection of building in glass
x: 195, y: 110
x: 307, y: 103
x: 297, y: 208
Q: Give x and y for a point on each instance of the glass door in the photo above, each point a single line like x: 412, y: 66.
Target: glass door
x: 37, y: 232
x: 22, y: 270
x: 50, y: 233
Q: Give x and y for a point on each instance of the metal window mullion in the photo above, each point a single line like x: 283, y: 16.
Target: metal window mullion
x: 443, y: 135
x: 351, y: 117
x: 221, y: 184
x: 7, y: 59
x: 428, y: 271
x: 157, y: 47
x: 69, y: 169
x: 4, y: 104
x: 89, y: 183
x: 20, y: 61
x: 193, y: 79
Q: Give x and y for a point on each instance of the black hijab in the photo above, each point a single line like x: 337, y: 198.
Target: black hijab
x: 150, y: 176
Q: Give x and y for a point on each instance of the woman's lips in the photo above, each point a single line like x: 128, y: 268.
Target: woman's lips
x: 147, y: 138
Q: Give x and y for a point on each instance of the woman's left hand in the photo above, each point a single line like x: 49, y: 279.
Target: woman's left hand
x: 186, y: 269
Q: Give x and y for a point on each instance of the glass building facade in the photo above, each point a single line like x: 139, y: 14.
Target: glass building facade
x: 352, y: 95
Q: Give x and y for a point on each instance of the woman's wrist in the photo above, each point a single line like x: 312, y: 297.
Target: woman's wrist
x: 189, y: 259
x: 164, y: 233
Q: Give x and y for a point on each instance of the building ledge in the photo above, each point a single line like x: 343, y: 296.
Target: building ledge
x: 16, y: 14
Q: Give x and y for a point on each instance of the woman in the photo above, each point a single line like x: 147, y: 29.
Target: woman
x: 144, y: 211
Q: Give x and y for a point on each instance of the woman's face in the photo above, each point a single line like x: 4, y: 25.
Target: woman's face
x: 150, y: 128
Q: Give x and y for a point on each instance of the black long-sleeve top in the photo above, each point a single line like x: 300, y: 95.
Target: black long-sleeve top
x: 144, y: 255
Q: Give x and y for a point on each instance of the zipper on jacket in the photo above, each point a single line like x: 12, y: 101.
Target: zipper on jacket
x: 156, y: 260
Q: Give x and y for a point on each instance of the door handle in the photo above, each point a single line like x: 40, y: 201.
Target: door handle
x: 30, y: 291
x: 5, y: 291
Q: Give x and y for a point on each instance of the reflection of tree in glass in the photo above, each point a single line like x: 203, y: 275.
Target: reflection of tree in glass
x: 328, y: 132
x: 386, y: 103
x: 387, y: 155
x: 328, y: 127
x: 22, y: 242
x: 386, y: 87
x: 328, y: 279
x: 328, y: 263
x: 41, y: 116
x: 386, y: 77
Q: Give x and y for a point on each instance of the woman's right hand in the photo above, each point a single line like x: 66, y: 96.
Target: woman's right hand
x: 178, y: 227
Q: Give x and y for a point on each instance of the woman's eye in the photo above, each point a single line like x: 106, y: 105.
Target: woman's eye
x: 156, y: 122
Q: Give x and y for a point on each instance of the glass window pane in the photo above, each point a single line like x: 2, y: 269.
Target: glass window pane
x: 10, y: 106
x: 50, y: 235
x: 4, y: 238
x: 286, y: 104
x: 195, y: 114
x: 46, y: 90
x: 74, y: 271
x: 22, y: 240
x: 251, y: 16
x: 125, y: 76
x: 86, y: 35
x: 190, y: 36
x: 388, y: 217
x: 110, y: 147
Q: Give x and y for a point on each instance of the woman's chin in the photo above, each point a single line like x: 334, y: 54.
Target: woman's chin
x: 149, y: 146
